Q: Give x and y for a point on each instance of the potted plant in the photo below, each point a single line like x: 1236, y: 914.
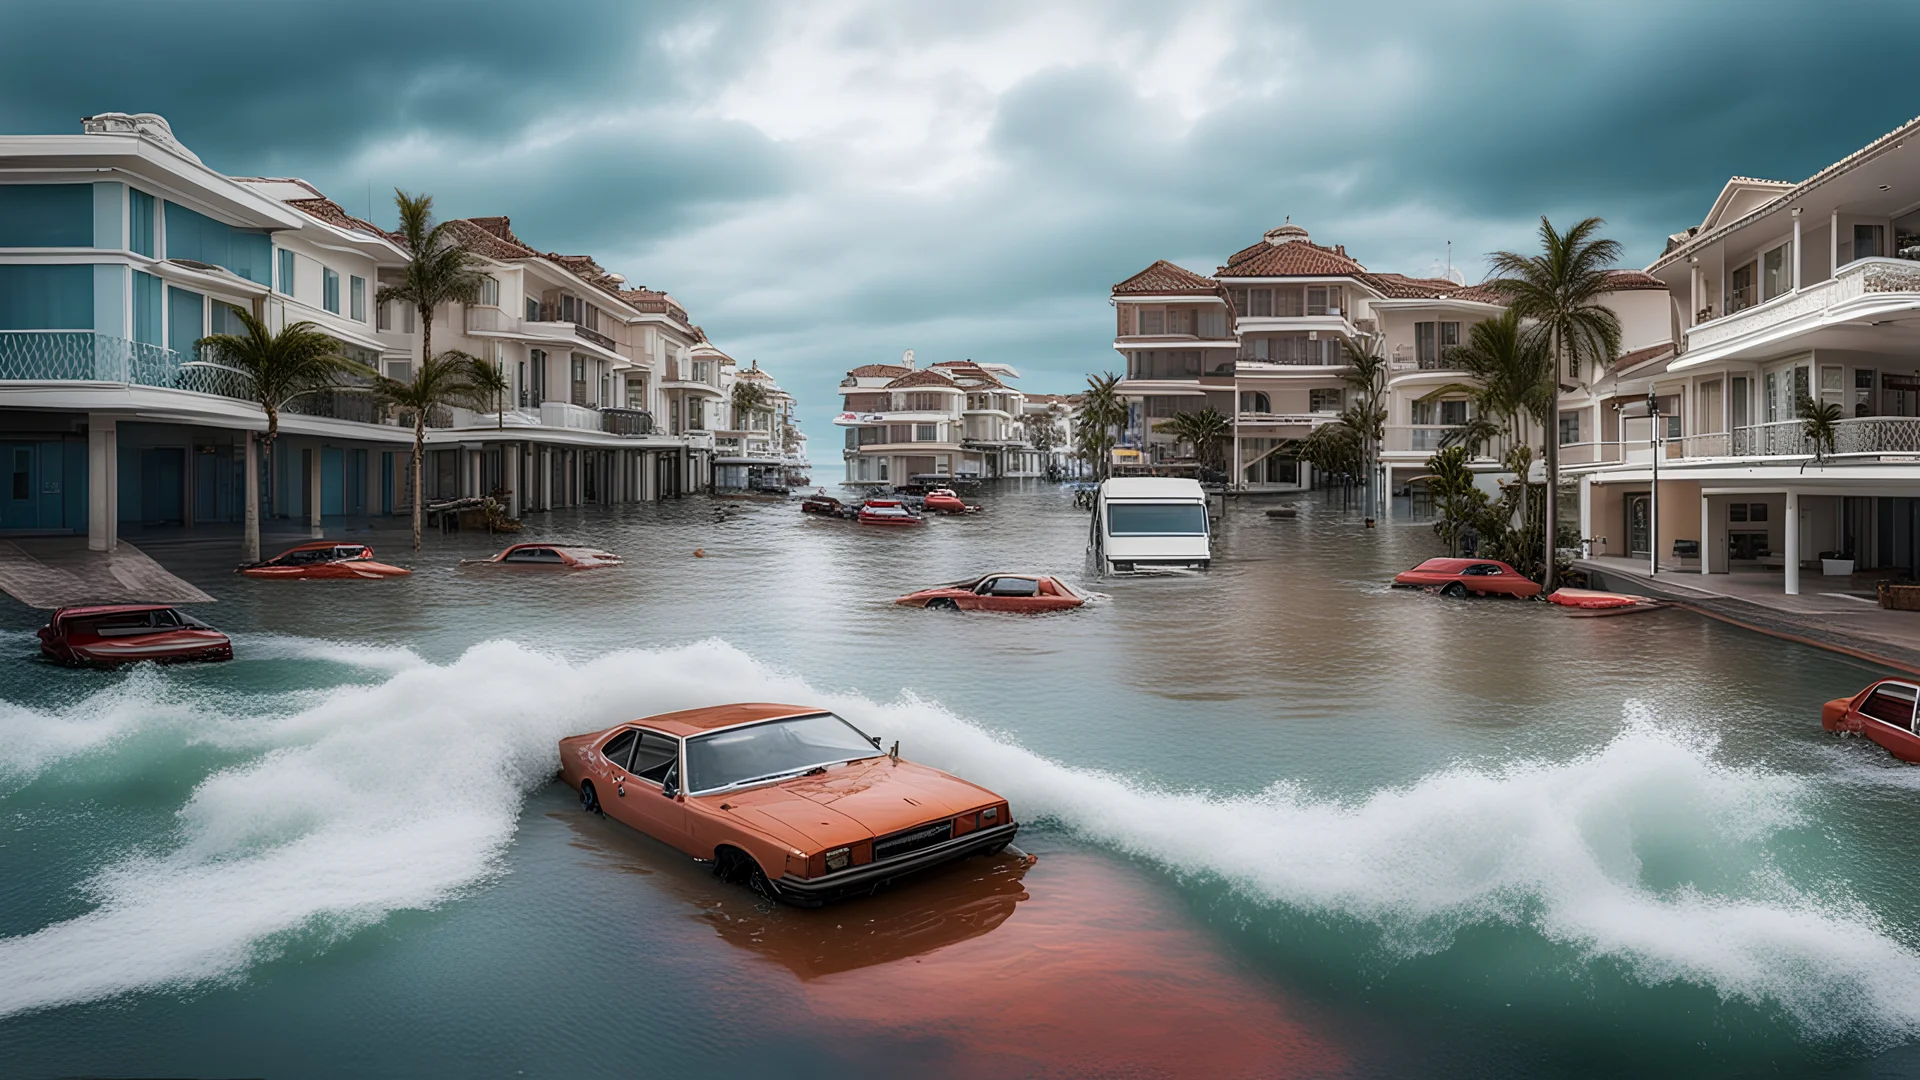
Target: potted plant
x: 1836, y: 563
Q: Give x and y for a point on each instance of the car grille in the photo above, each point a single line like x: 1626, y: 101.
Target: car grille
x: 901, y: 843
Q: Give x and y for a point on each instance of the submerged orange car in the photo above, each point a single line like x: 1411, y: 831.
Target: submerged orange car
x: 1882, y: 712
x: 568, y: 556
x: 323, y: 559
x: 793, y: 801
x: 110, y: 634
x: 998, y: 592
x: 1458, y: 577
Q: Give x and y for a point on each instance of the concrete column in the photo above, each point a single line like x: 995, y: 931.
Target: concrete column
x: 103, y: 483
x: 313, y: 495
x: 1586, y: 510
x: 1793, y: 543
x: 250, y: 494
x: 510, y: 477
x: 1706, y: 531
x: 1796, y: 249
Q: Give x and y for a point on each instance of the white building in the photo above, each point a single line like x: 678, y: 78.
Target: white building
x: 957, y: 419
x: 119, y: 249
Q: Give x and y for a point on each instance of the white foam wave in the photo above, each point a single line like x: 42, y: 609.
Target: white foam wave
x: 267, y: 646
x: 369, y: 799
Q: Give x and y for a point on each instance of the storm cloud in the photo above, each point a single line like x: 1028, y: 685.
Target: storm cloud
x: 826, y: 184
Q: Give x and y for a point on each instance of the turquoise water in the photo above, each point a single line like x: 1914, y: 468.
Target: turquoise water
x: 1286, y: 822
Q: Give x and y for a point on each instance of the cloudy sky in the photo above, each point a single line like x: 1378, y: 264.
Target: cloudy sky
x: 826, y: 184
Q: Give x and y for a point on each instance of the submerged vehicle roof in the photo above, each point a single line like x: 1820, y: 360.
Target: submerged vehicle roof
x: 694, y: 721
x: 108, y: 609
x: 1152, y: 487
x: 316, y: 545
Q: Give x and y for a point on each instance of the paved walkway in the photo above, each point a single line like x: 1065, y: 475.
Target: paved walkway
x: 53, y: 572
x: 1835, y: 613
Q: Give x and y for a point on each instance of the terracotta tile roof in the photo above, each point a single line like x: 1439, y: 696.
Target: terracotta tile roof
x: 1637, y: 357
x: 922, y: 377
x: 1295, y: 258
x: 1166, y: 279
x: 491, y: 237
x: 1402, y: 287
x: 655, y: 302
x: 879, y: 371
x: 1625, y: 280
x: 325, y: 209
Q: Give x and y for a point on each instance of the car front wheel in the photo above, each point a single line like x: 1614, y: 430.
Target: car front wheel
x: 589, y: 799
x: 1454, y: 589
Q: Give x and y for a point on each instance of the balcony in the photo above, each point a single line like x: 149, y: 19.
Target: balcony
x: 84, y: 356
x: 1859, y: 290
x: 550, y: 313
x: 559, y: 414
x: 627, y: 423
x: 491, y: 320
x: 1400, y: 363
x: 1416, y: 438
x: 1864, y: 436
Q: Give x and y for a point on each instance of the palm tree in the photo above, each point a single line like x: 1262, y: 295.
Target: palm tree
x: 1513, y: 380
x: 278, y: 368
x: 440, y: 269
x: 1102, y: 411
x: 749, y: 397
x: 1206, y: 431
x: 1817, y: 421
x: 1366, y: 374
x: 448, y: 379
x: 490, y: 382
x: 1454, y: 493
x: 1558, y: 293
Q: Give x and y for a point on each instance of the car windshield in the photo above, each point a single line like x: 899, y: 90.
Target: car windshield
x: 1156, y: 519
x: 766, y: 751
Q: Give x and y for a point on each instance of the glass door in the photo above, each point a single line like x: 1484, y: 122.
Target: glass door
x: 1639, y: 525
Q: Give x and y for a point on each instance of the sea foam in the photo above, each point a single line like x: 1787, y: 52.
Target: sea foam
x: 367, y: 799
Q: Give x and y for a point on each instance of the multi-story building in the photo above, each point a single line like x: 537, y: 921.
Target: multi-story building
x: 760, y: 449
x: 956, y: 419
x: 1056, y: 453
x: 1784, y: 293
x: 120, y: 249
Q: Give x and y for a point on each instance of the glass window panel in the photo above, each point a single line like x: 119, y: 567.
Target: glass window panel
x: 1262, y: 300
x: 619, y: 749
x: 654, y: 755
x: 1156, y: 519
x: 46, y: 215
x: 330, y: 290
x: 140, y: 215
x: 740, y: 755
x: 357, y: 299
x: 194, y: 236
x: 46, y: 297
x: 186, y: 319
x: 147, y: 301
x: 286, y: 272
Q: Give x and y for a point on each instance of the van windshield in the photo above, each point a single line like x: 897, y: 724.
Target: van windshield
x: 1156, y: 519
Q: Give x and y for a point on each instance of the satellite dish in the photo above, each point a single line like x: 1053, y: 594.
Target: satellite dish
x: 1455, y: 275
x: 906, y: 358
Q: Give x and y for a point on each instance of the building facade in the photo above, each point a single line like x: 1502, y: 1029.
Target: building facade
x: 954, y: 420
x: 120, y: 249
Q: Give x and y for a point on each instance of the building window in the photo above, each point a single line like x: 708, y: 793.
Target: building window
x: 1324, y: 300
x: 533, y: 310
x: 186, y: 319
x: 1323, y: 401
x: 286, y: 272
x: 1569, y: 428
x: 1153, y: 321
x: 537, y: 372
x: 46, y: 215
x: 489, y: 291
x: 696, y: 415
x: 1262, y: 303
x: 1776, y: 271
x: 1740, y: 289
x: 1431, y: 340
x: 330, y: 290
x: 1868, y: 241
x: 140, y: 215
x: 1254, y: 401
x: 246, y: 252
x: 926, y: 433
x: 357, y: 298
x: 1453, y: 413
x: 147, y: 301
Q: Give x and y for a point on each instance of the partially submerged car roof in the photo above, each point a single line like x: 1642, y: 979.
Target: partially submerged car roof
x: 107, y: 609
x: 713, y: 717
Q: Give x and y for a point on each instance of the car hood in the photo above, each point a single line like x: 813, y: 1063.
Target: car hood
x: 857, y: 801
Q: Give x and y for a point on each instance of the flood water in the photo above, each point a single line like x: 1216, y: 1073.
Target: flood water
x: 1285, y: 822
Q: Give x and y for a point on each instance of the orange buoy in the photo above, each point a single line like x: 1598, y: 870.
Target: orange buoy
x: 699, y: 553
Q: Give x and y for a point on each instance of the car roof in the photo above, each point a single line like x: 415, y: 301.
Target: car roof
x: 317, y: 545
x: 108, y: 609
x: 1451, y: 564
x: 713, y: 717
x: 1152, y: 487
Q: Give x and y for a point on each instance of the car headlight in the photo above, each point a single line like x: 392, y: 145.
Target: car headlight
x: 839, y: 858
x: 990, y: 815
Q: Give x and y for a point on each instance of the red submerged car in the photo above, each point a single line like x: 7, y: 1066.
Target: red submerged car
x: 790, y: 800
x: 323, y: 559
x: 110, y: 634
x: 1882, y: 712
x: 998, y: 592
x: 887, y: 512
x: 564, y: 556
x: 1458, y: 577
x: 947, y: 501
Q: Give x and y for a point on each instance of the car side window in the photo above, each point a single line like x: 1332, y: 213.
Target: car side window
x: 1013, y: 586
x: 1481, y: 570
x: 1891, y: 703
x: 166, y: 619
x: 985, y: 588
x: 523, y: 555
x: 655, y: 755
x: 619, y: 748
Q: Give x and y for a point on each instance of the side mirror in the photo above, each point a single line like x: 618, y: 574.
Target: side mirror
x: 875, y: 740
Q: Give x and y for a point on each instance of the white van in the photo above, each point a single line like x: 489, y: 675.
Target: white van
x: 1149, y: 522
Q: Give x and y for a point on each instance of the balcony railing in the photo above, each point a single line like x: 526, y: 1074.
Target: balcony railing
x: 562, y: 415
x: 550, y: 313
x: 630, y: 423
x: 84, y: 356
x: 1854, y: 281
x: 1425, y: 438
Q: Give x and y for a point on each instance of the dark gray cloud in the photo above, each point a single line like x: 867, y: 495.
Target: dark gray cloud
x: 826, y: 184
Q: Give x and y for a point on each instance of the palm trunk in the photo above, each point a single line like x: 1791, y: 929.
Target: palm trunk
x: 1552, y: 502
x: 419, y: 452
x: 252, y: 516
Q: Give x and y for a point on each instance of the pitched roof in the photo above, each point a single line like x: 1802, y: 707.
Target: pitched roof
x: 922, y: 377
x: 970, y: 373
x: 879, y: 371
x: 1166, y: 279
x: 325, y: 209
x: 1626, y: 280
x: 654, y: 302
x: 1637, y: 357
x: 1294, y: 258
x: 492, y: 237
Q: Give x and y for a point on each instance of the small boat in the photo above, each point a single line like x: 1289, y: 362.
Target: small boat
x: 1883, y: 712
x: 888, y: 512
x: 946, y: 501
x: 1595, y: 600
x: 323, y: 559
x: 111, y: 634
x: 562, y: 556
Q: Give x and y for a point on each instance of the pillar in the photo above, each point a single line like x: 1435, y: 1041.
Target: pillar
x: 313, y: 494
x: 1706, y: 534
x: 1796, y: 249
x: 510, y: 477
x: 1793, y: 543
x: 1586, y: 513
x: 103, y: 482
